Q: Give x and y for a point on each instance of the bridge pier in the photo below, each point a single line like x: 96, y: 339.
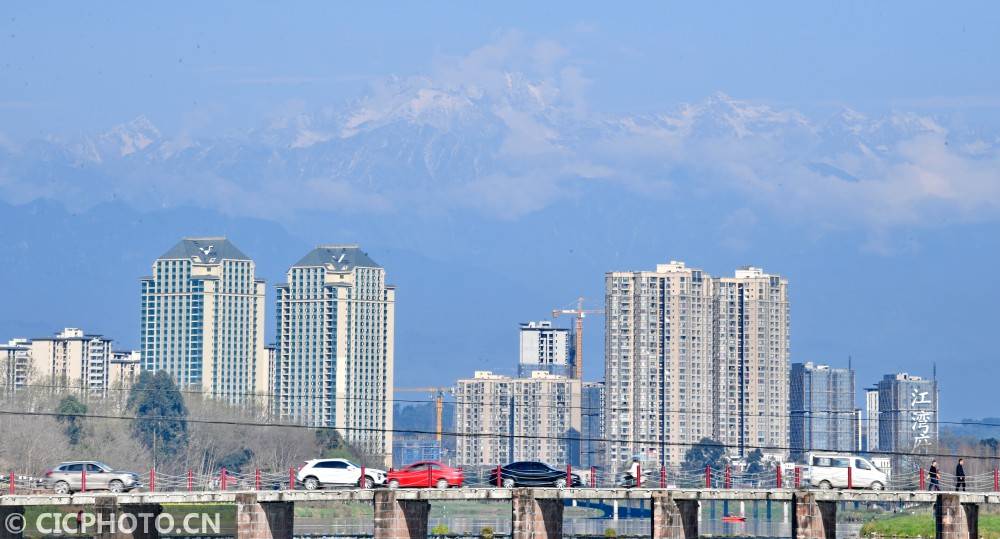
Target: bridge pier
x: 534, y: 518
x: 673, y: 519
x: 400, y: 519
x: 110, y: 513
x: 954, y: 519
x: 263, y: 520
x: 812, y: 519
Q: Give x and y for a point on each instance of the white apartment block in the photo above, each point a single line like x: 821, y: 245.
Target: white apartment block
x: 15, y: 363
x: 752, y: 361
x: 500, y: 419
x: 543, y: 348
x: 125, y: 367
x: 72, y: 359
x: 203, y: 320
x: 334, y: 353
x: 658, y: 363
x: 690, y: 357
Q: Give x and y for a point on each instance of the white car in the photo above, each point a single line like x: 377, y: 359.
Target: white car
x: 318, y: 473
x: 830, y: 470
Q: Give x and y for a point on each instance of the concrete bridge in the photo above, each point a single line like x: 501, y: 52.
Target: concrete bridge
x: 537, y: 513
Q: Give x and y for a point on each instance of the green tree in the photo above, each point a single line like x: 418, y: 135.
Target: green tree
x: 755, y: 462
x: 334, y: 446
x: 160, y: 423
x: 706, y: 452
x: 70, y: 409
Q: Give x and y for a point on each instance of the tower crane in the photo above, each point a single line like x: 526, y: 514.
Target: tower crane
x: 438, y: 393
x: 579, y: 313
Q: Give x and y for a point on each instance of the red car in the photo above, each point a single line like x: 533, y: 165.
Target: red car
x: 425, y: 474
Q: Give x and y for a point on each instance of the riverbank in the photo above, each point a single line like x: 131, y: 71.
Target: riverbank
x: 922, y: 525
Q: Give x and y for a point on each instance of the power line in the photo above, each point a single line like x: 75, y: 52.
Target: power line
x: 598, y: 409
x: 243, y: 423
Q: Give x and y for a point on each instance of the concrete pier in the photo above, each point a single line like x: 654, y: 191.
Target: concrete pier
x: 954, y: 519
x: 400, y: 519
x: 263, y: 520
x: 813, y: 519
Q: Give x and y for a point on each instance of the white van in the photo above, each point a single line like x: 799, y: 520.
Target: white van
x: 830, y: 470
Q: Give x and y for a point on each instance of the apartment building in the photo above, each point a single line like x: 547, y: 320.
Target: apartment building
x: 688, y: 357
x: 72, y: 359
x: 544, y: 348
x: 125, y: 367
x: 871, y: 419
x: 823, y: 417
x: 202, y: 320
x: 751, y: 361
x: 334, y: 352
x: 592, y: 418
x: 500, y: 419
x: 658, y: 363
x: 907, y: 418
x: 15, y: 363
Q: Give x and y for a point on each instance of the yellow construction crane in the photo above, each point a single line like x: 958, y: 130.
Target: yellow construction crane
x: 579, y: 313
x: 438, y: 393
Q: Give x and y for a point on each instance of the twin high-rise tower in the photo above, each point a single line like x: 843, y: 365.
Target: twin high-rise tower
x: 203, y: 322
x: 689, y: 356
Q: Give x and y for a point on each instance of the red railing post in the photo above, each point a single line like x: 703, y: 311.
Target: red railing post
x: 256, y: 479
x: 923, y: 483
x: 83, y: 480
x: 430, y: 477
x: 10, y: 485
x: 638, y: 475
x: 152, y: 480
x: 996, y: 480
x: 569, y: 476
x: 729, y: 478
x: 223, y: 482
x: 850, y: 477
x: 190, y: 480
x: 593, y: 477
x: 291, y: 478
x: 708, y: 477
x: 777, y: 473
x: 499, y: 480
x: 663, y: 476
x: 361, y: 480
x: 798, y: 477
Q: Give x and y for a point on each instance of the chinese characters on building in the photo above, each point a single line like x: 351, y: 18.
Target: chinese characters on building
x: 921, y: 416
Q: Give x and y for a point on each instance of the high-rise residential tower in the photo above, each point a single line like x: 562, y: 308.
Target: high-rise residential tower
x: 658, y: 363
x: 751, y: 340
x: 203, y: 320
x: 544, y: 348
x: 871, y: 420
x: 334, y: 351
x: 908, y: 418
x: 823, y: 417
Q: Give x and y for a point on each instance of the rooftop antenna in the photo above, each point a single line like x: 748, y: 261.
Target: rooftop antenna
x: 849, y: 359
x: 934, y: 371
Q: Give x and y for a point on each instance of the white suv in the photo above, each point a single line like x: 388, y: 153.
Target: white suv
x: 318, y: 473
x: 829, y: 470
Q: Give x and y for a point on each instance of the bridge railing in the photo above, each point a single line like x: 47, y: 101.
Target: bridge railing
x: 651, y: 477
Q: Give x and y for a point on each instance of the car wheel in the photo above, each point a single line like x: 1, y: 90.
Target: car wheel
x: 367, y: 482
x: 62, y: 487
x: 393, y: 484
x: 825, y: 485
x: 509, y: 482
x: 876, y: 485
x: 311, y: 483
x: 560, y: 483
x: 442, y: 484
x: 116, y: 486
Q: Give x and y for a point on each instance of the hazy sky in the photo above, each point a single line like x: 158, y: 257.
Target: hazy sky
x: 215, y: 65
x: 498, y: 158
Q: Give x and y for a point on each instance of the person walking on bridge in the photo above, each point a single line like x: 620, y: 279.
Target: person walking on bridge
x: 960, y: 475
x: 935, y: 476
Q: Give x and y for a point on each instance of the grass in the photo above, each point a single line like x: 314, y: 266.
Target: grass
x: 922, y: 525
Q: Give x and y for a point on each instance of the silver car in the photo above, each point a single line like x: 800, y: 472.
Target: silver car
x: 68, y: 477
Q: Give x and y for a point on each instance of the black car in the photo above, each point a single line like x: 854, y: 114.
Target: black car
x: 532, y: 474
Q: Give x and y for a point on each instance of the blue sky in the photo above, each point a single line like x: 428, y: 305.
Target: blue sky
x: 499, y: 158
